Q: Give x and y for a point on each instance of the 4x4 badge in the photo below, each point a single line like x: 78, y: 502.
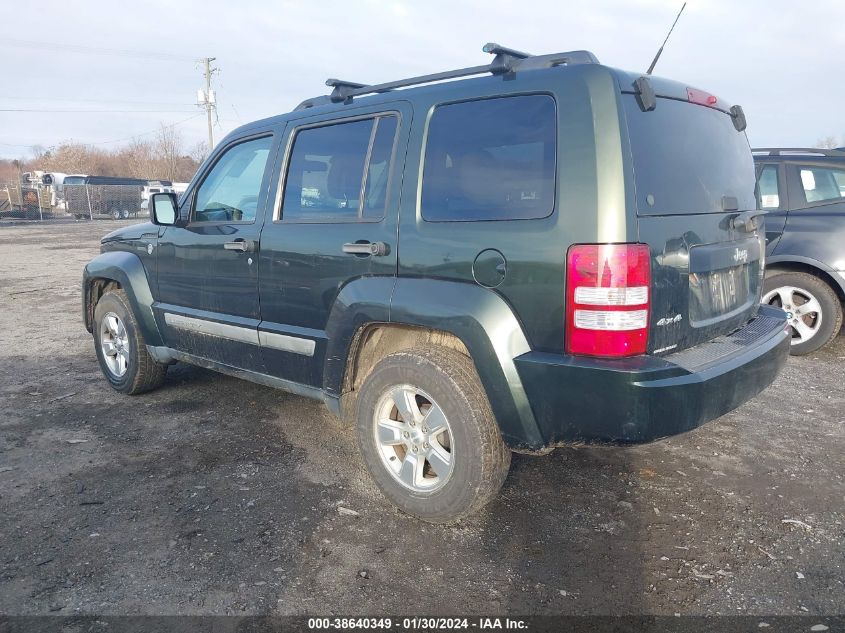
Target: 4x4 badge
x: 667, y: 320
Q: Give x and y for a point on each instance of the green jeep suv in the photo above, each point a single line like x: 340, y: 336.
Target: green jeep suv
x: 507, y: 257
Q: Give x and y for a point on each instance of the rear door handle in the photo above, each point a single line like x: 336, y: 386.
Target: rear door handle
x: 239, y: 244
x: 376, y: 249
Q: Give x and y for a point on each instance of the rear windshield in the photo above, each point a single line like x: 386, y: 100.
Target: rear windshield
x: 687, y: 157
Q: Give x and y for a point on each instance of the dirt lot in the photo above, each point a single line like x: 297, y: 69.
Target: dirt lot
x: 217, y: 496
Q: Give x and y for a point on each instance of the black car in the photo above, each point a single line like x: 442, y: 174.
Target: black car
x: 803, y: 191
x: 526, y: 257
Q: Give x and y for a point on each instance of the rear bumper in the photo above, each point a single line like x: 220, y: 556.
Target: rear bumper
x: 645, y: 398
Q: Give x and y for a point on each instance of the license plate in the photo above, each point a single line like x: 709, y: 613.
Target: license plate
x: 718, y: 292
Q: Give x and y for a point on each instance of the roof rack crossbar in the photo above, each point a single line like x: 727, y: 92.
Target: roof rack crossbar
x: 342, y: 93
x: 340, y: 86
x: 506, y: 60
x: 778, y: 151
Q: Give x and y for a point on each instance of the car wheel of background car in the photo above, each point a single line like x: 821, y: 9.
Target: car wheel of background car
x: 115, y: 214
x: 812, y: 307
x: 125, y: 214
x: 428, y: 436
x: 120, y: 347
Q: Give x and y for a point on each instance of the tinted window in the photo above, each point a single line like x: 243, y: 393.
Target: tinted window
x: 492, y: 159
x: 326, y: 170
x: 230, y: 191
x: 687, y: 157
x: 768, y: 184
x: 822, y: 184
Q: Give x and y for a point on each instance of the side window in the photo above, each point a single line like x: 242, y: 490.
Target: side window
x: 822, y: 184
x: 340, y: 172
x: 491, y: 159
x: 378, y: 171
x: 230, y: 191
x: 767, y: 181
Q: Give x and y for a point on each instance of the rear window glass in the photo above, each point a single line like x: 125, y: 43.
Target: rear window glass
x: 492, y: 159
x: 688, y: 157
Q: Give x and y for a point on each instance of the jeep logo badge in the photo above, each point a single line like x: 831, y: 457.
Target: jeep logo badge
x: 741, y: 255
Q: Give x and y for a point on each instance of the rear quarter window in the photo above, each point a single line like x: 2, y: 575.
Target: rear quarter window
x: 490, y: 159
x: 822, y: 184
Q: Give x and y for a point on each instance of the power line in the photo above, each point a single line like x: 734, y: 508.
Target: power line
x: 117, y: 140
x: 92, y: 50
x: 74, y: 100
x: 134, y: 136
x: 91, y: 111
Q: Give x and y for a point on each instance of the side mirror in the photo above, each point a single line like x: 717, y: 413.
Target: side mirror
x: 164, y: 209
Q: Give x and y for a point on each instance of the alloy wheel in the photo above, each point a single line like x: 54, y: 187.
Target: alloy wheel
x: 114, y: 343
x: 803, y: 311
x: 413, y: 438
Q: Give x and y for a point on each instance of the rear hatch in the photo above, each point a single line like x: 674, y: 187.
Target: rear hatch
x: 695, y: 194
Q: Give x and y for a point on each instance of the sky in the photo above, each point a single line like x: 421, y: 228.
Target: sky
x: 117, y: 70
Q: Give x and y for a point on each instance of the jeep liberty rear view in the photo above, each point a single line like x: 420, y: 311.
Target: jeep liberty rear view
x: 541, y: 250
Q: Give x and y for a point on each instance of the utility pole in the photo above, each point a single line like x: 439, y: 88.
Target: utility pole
x: 208, y: 100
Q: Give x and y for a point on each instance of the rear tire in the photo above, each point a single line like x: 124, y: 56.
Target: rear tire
x: 121, y: 349
x: 440, y: 476
x: 813, y: 309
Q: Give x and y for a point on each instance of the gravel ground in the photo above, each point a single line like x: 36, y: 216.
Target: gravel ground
x: 216, y: 496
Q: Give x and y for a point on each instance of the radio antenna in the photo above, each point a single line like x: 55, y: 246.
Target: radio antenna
x: 656, y: 57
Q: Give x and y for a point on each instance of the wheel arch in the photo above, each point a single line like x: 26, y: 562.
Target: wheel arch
x: 473, y: 320
x: 126, y: 270
x: 809, y: 266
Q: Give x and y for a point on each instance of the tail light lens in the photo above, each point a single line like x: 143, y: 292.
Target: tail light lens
x: 701, y: 98
x: 608, y: 295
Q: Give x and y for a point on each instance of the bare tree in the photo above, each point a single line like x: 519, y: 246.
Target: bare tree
x: 199, y: 152
x: 168, y: 149
x: 164, y: 157
x: 829, y: 142
x: 138, y: 160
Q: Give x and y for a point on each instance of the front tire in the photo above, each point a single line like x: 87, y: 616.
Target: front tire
x: 428, y: 436
x: 812, y: 307
x: 121, y: 349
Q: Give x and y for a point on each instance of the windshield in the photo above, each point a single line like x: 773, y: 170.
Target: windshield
x: 75, y: 180
x: 688, y: 157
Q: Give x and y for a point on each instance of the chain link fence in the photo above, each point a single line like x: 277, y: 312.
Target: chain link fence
x: 103, y: 201
x: 34, y: 202
x: 80, y: 202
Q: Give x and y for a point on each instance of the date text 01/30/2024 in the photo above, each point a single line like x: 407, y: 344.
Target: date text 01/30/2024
x: 417, y: 624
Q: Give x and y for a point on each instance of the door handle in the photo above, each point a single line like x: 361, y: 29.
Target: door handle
x: 239, y: 244
x: 376, y: 249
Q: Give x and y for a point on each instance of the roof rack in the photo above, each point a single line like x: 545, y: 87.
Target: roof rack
x: 778, y: 151
x: 506, y: 60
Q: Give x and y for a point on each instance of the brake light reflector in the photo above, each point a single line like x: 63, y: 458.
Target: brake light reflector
x: 607, y: 299
x: 701, y: 98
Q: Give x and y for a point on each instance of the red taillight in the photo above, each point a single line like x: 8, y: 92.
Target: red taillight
x: 608, y: 288
x: 701, y: 98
